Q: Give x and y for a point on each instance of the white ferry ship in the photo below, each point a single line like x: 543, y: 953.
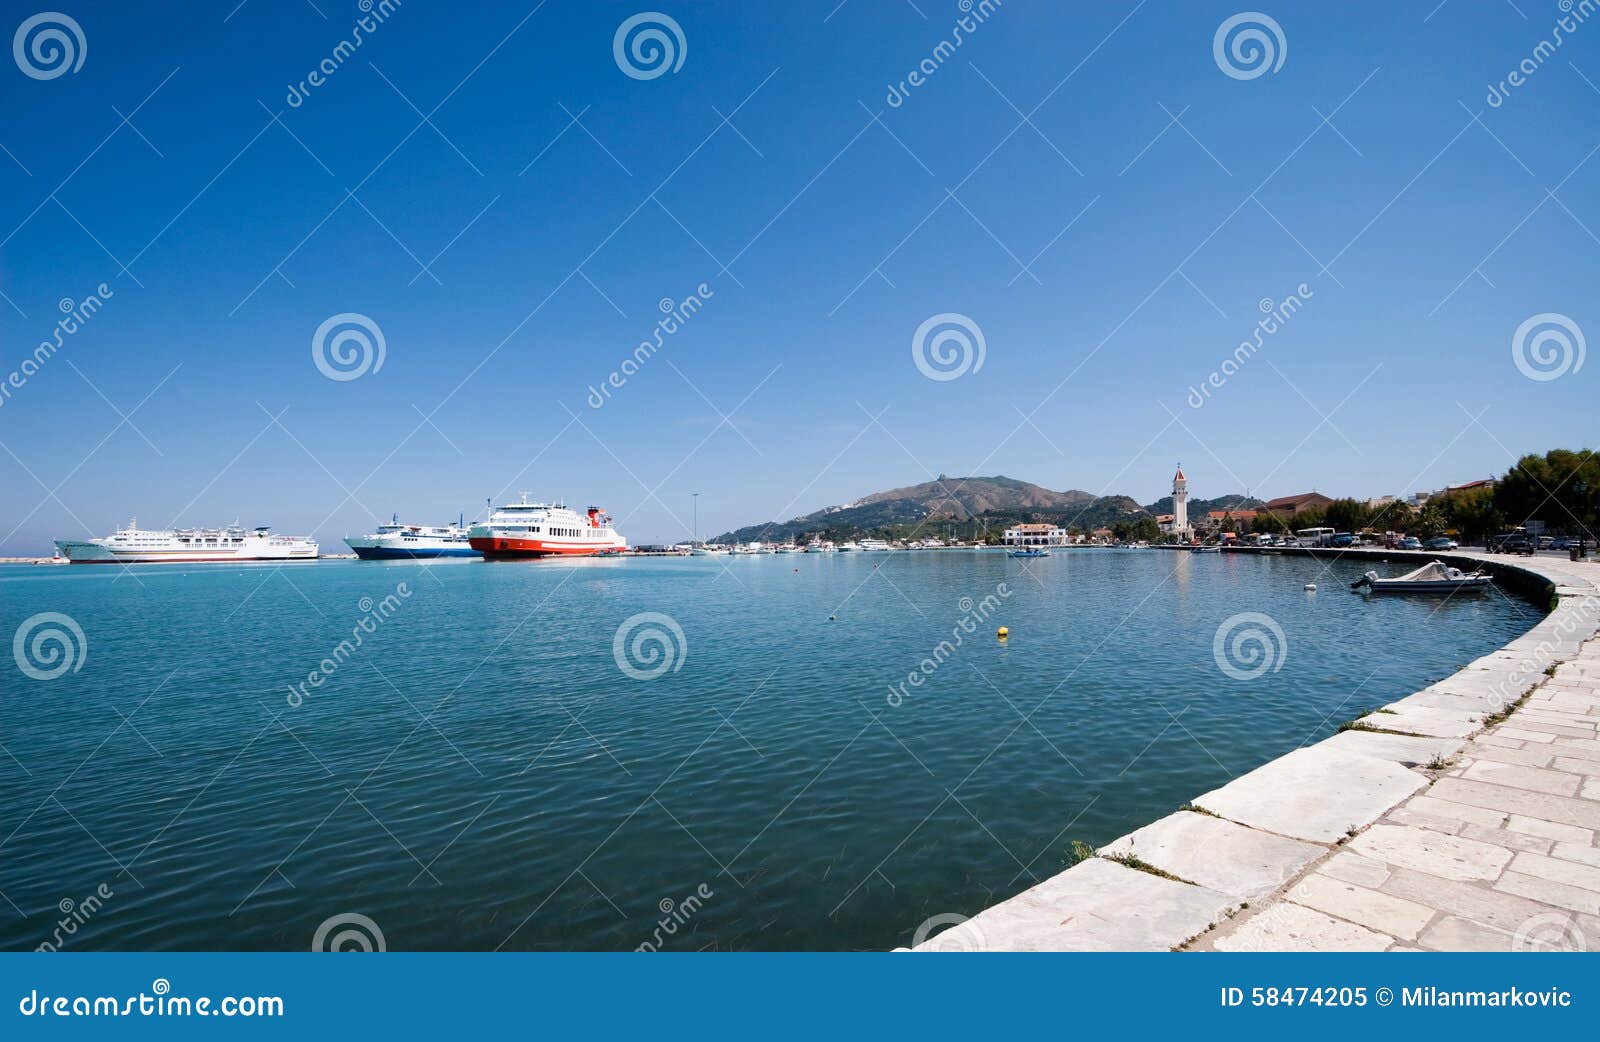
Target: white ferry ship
x: 135, y: 545
x: 874, y: 544
x: 529, y: 529
x: 396, y: 540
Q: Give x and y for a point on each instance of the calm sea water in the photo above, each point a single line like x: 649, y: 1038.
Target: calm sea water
x: 480, y: 772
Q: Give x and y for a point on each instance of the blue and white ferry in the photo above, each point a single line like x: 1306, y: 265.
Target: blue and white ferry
x: 396, y: 540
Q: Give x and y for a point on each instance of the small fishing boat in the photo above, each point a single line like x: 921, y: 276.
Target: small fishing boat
x: 1433, y: 577
x: 1205, y: 549
x: 1031, y: 551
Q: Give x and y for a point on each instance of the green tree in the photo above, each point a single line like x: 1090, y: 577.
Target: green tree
x: 1347, y: 515
x: 1560, y: 488
x: 1470, y: 515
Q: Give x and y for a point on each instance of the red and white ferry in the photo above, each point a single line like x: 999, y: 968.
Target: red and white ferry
x: 529, y: 529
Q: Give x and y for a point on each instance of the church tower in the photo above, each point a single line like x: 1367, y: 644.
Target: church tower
x: 1180, y: 504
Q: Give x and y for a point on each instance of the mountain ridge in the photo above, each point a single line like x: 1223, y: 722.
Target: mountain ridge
x: 977, y: 504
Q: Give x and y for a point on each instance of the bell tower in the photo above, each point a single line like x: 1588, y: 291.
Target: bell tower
x: 1180, y: 504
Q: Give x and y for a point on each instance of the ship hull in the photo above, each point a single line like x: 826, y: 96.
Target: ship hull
x: 503, y: 547
x: 93, y: 553
x: 392, y: 553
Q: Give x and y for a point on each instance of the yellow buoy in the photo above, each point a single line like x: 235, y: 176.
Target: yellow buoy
x: 1003, y: 633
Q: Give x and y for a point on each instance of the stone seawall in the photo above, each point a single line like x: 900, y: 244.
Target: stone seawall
x: 1173, y: 883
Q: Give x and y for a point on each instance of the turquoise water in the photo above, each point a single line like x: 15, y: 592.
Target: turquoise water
x: 480, y: 773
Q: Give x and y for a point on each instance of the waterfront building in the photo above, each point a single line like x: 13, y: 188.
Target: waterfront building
x: 1035, y: 535
x: 1288, y: 506
x: 1216, y: 519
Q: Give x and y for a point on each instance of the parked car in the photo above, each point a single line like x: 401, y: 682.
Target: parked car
x: 1441, y: 542
x: 1343, y: 539
x: 1411, y: 542
x: 1511, y: 543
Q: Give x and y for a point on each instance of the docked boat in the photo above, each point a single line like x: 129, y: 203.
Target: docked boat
x: 395, y: 540
x: 1030, y: 551
x: 135, y: 545
x: 848, y: 546
x: 1433, y: 577
x: 1205, y: 549
x: 532, y: 529
x: 873, y: 544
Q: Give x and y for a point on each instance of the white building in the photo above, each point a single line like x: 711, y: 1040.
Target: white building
x: 1180, y: 505
x: 1036, y: 535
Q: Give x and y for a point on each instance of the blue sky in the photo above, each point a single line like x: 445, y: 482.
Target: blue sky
x: 1111, y: 256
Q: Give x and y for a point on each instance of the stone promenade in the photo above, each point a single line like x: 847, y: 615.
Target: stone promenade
x: 1463, y: 817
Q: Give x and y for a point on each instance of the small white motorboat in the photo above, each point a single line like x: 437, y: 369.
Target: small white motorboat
x: 1433, y: 577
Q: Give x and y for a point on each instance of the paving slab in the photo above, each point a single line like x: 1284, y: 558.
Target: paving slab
x: 1537, y: 779
x: 1450, y: 857
x: 1455, y: 934
x: 1549, y: 893
x: 1579, y: 852
x: 1539, y: 756
x: 1558, y: 870
x: 1458, y: 812
x: 1222, y: 855
x: 1550, y: 830
x: 1482, y: 904
x: 1562, y: 809
x: 1370, y: 908
x: 1396, y: 748
x: 1353, y: 868
x: 1507, y: 840
x: 1096, y: 905
x: 1318, y: 793
x: 1421, y: 720
x: 1291, y: 927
